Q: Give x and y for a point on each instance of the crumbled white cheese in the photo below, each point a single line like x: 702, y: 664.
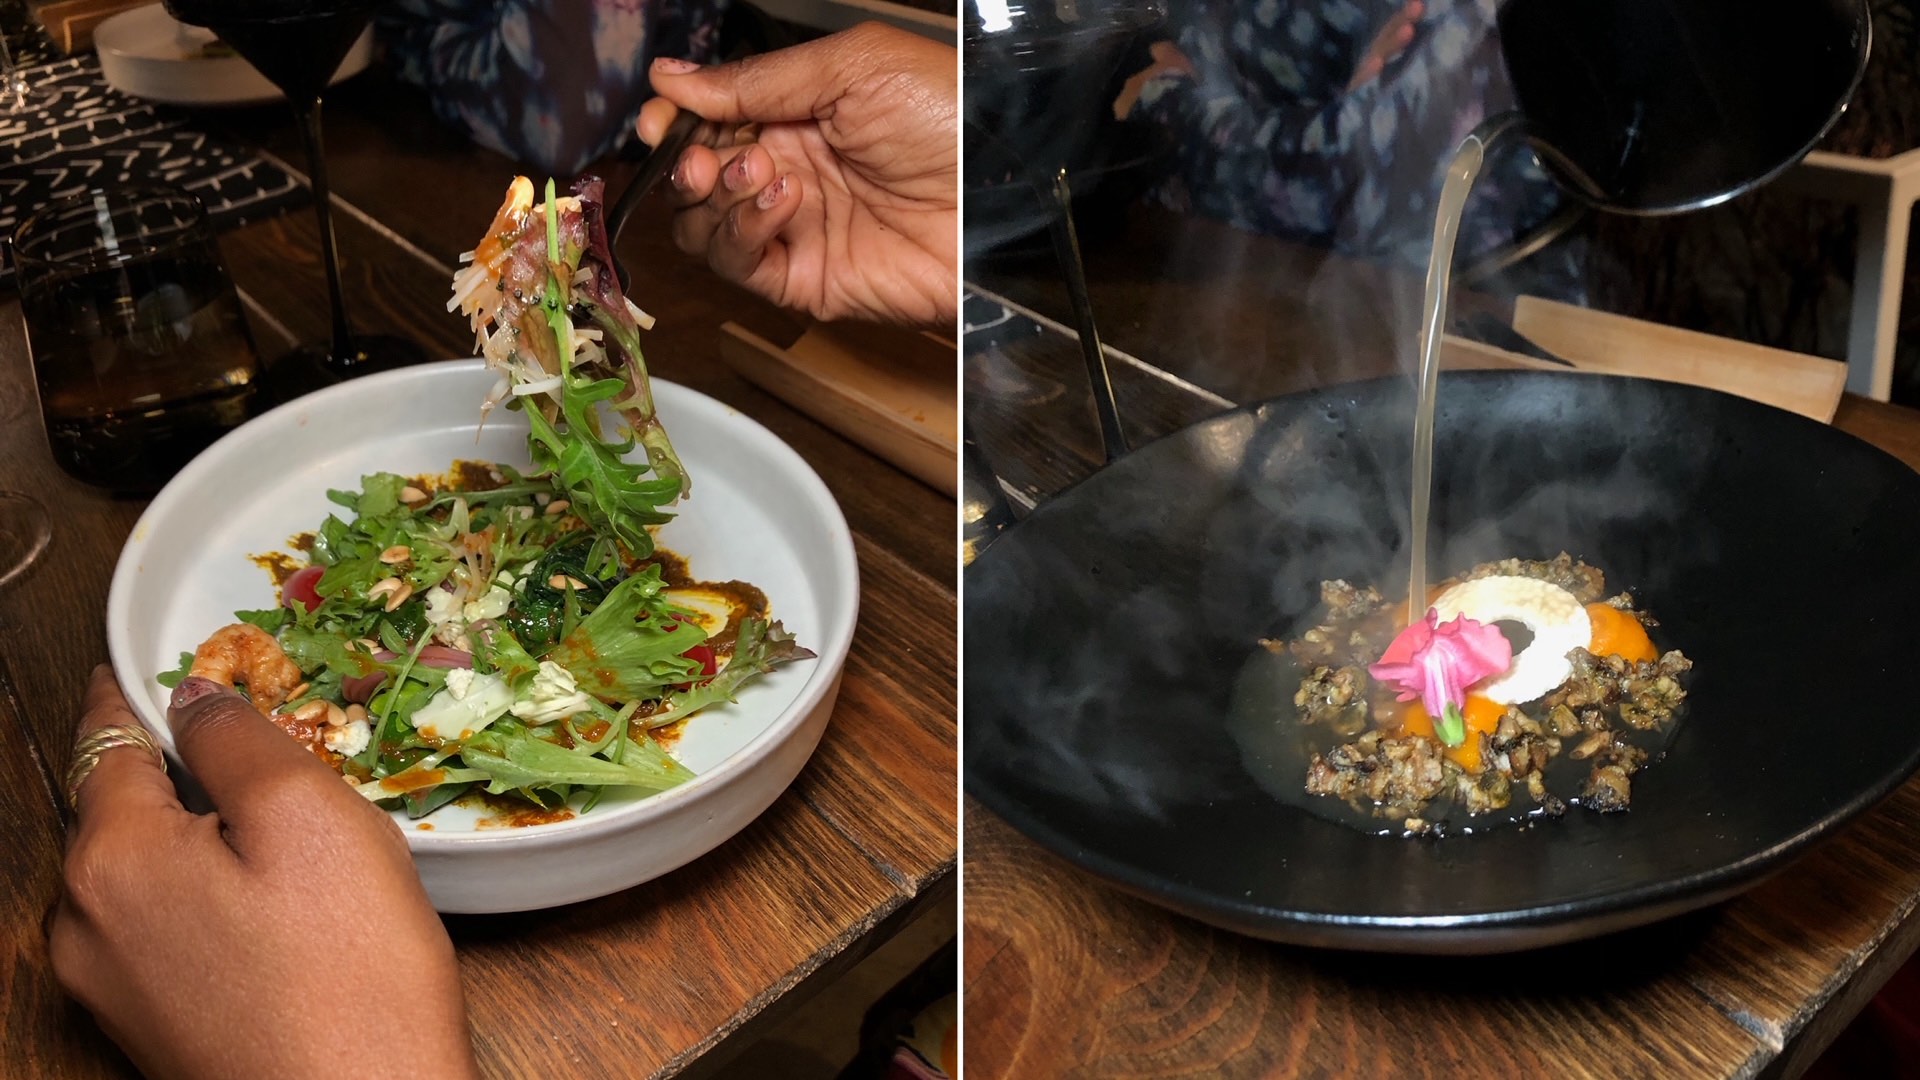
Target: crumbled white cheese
x: 552, y: 696
x: 349, y: 738
x: 469, y: 702
x: 460, y: 682
x: 441, y: 606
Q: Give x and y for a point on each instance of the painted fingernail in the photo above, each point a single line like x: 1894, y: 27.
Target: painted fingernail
x: 771, y: 197
x: 673, y: 65
x: 737, y: 175
x: 192, y: 692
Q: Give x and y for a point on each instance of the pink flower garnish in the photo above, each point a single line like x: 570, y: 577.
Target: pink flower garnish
x: 1436, y: 662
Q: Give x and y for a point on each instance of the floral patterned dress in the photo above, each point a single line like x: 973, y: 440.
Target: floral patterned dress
x: 1272, y: 139
x: 553, y: 83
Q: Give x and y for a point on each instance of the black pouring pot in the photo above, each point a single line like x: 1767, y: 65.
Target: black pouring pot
x: 1661, y: 106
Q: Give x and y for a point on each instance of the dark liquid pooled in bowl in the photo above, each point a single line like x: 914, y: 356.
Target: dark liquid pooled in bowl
x: 1276, y: 748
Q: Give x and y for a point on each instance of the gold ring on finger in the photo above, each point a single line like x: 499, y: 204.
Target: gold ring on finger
x: 87, y: 751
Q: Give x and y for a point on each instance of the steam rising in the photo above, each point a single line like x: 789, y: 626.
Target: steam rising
x: 1111, y: 634
x: 1165, y: 574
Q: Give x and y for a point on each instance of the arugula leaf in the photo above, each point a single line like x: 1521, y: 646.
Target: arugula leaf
x: 607, y: 491
x: 333, y: 540
x: 171, y: 679
x: 314, y: 649
x: 759, y: 648
x: 379, y: 494
x: 623, y: 337
x: 270, y: 619
x: 630, y: 647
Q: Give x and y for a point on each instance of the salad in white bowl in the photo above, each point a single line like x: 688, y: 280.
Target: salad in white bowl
x: 500, y: 635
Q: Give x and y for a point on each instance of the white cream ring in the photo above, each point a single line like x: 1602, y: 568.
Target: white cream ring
x: 1558, y: 622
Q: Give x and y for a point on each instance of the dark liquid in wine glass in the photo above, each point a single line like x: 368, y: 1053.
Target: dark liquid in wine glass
x: 296, y: 45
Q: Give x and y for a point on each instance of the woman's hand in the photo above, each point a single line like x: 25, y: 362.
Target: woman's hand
x: 838, y: 193
x: 284, y: 935
x: 1391, y: 41
x: 1167, y: 60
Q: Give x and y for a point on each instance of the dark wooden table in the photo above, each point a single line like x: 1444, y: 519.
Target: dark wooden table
x: 666, y: 979
x: 1065, y: 976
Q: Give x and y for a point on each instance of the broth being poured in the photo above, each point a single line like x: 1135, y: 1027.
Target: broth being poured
x: 1461, y: 172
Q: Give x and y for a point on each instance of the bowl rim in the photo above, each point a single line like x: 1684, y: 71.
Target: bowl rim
x: 832, y: 651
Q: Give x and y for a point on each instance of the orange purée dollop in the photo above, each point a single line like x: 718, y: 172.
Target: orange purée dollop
x: 1616, y: 633
x: 1483, y: 715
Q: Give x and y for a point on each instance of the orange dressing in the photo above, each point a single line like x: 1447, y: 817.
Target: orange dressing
x: 413, y: 780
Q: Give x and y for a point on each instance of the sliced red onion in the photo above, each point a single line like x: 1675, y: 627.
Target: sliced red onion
x: 440, y: 656
x: 434, y: 656
x: 360, y: 689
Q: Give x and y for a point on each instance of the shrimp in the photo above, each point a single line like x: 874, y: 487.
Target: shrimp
x: 244, y: 653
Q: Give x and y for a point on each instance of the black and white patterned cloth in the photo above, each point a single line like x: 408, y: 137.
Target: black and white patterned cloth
x: 87, y: 134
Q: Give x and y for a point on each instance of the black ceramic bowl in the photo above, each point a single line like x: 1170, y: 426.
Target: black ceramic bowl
x: 1106, y: 632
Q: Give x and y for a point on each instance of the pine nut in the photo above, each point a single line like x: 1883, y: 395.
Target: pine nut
x: 356, y: 713
x: 336, y: 716
x: 412, y: 496
x: 311, y: 711
x: 299, y: 691
x: 396, y: 555
x: 557, y: 506
x: 562, y: 581
x: 395, y: 590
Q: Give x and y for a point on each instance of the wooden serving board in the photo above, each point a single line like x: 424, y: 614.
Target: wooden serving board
x: 70, y: 23
x: 893, y: 391
x: 1601, y: 343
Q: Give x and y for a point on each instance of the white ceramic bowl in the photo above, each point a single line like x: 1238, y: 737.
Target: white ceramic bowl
x: 147, y: 53
x: 758, y: 513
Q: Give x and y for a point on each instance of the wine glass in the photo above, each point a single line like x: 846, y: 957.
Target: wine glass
x: 298, y: 45
x: 18, y: 96
x: 24, y: 534
x: 24, y: 527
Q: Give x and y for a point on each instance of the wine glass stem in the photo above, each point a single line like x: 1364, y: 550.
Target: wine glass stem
x: 307, y: 116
